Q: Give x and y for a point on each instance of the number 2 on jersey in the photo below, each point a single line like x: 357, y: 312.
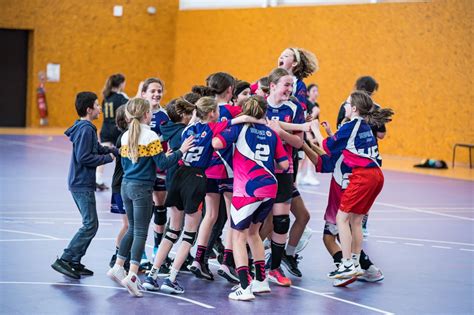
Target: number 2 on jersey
x: 262, y: 152
x: 194, y: 154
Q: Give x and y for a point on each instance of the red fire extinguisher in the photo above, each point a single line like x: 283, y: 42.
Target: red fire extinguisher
x: 41, y: 99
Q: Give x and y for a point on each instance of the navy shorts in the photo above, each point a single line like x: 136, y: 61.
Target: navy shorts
x: 116, y: 204
x: 159, y: 185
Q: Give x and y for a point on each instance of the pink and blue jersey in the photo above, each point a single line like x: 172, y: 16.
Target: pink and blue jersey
x: 299, y: 91
x: 357, y: 144
x: 256, y: 149
x: 221, y: 162
x: 200, y: 155
x: 158, y: 118
x: 291, y: 113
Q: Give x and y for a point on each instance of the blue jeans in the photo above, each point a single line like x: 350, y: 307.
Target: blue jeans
x: 138, y: 203
x: 77, y: 247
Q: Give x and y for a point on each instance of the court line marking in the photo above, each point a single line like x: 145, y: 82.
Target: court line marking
x: 327, y: 296
x: 29, y: 233
x: 400, y: 207
x: 36, y: 146
x: 342, y: 300
x: 57, y: 219
x: 414, y: 244
x: 467, y: 250
x: 409, y: 239
x: 56, y: 239
x: 443, y: 247
x: 109, y: 287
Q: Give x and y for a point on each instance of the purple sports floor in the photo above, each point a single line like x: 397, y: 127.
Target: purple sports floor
x: 421, y: 236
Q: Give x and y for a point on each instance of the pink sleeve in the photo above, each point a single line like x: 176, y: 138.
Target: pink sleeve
x: 280, y: 152
x: 217, y: 127
x: 234, y: 110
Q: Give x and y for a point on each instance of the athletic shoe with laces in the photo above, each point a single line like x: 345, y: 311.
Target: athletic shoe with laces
x: 260, y: 286
x: 343, y: 282
x: 278, y: 276
x: 82, y: 270
x: 133, y: 285
x: 228, y: 273
x: 165, y: 267
x: 358, y: 270
x: 66, y: 268
x: 151, y: 284
x: 343, y: 271
x: 117, y: 273
x: 372, y: 274
x: 240, y: 294
x: 201, y: 271
x: 291, y: 264
x: 171, y: 287
x: 304, y: 240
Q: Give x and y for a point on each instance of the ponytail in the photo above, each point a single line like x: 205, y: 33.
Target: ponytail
x: 135, y: 109
x: 112, y: 82
x: 373, y: 114
x: 255, y: 106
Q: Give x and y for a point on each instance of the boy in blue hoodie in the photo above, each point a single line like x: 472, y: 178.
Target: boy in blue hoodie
x: 87, y: 154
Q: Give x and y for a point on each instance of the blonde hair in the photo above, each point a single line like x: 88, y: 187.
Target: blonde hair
x: 135, y: 110
x: 307, y: 63
x: 205, y: 105
x: 255, y: 106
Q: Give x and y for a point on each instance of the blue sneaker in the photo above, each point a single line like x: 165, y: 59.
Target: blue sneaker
x: 151, y: 284
x: 171, y: 287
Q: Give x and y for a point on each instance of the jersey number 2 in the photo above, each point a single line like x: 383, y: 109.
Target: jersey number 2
x: 262, y: 152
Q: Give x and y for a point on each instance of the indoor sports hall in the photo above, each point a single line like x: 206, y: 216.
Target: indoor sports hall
x: 420, y: 230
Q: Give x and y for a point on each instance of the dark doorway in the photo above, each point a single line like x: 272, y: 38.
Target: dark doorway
x: 13, y: 73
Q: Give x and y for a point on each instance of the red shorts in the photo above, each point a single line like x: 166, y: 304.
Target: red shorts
x: 364, y: 186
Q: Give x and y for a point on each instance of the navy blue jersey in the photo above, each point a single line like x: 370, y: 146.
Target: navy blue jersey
x: 158, y: 118
x: 200, y: 155
x: 288, y: 112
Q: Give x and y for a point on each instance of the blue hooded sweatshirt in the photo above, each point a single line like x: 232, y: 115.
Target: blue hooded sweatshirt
x: 87, y: 154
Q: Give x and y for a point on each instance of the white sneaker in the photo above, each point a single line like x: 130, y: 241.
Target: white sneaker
x: 358, y: 270
x: 260, y: 286
x: 311, y: 179
x: 343, y: 282
x: 117, y: 273
x: 242, y: 295
x: 373, y: 274
x: 304, y: 240
x: 133, y: 285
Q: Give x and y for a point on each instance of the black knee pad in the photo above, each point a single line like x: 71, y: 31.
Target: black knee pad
x: 281, y: 224
x: 160, y: 215
x: 189, y: 237
x: 172, y: 235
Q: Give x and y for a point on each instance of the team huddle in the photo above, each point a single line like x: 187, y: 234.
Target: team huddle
x: 226, y: 153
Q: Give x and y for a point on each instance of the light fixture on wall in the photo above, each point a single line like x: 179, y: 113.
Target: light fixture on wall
x: 151, y: 10
x: 118, y: 10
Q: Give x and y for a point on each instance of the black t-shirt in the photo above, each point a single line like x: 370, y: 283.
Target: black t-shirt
x: 310, y: 106
x: 118, y: 171
x: 109, y: 132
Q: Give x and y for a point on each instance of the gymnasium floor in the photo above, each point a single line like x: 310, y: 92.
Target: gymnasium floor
x: 421, y: 236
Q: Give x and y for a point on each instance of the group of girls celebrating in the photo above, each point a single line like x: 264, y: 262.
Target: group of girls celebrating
x: 236, y: 143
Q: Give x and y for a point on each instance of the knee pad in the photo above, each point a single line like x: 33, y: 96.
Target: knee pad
x: 189, y: 237
x: 281, y: 223
x: 172, y: 235
x: 159, y: 215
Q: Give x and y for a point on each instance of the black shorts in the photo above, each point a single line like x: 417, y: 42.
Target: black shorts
x: 285, y: 187
x: 109, y: 133
x: 295, y: 193
x: 187, y: 190
x: 159, y: 184
x: 220, y: 186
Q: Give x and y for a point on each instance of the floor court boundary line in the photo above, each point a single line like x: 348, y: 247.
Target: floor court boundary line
x: 330, y: 297
x: 36, y: 146
x: 29, y: 233
x: 408, y: 239
x: 109, y: 287
x: 55, y: 239
x: 400, y: 207
x: 342, y: 300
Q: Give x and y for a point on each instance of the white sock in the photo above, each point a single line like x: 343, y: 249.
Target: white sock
x: 153, y: 273
x: 173, y: 274
x: 290, y: 250
x: 355, y: 259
